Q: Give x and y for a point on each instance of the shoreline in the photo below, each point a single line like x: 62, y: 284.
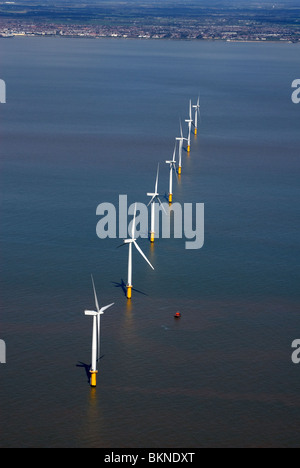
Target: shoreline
x: 235, y: 41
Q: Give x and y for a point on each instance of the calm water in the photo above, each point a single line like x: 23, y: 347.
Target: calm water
x: 86, y: 121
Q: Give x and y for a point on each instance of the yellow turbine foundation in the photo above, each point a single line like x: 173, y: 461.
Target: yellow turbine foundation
x: 129, y: 292
x: 179, y: 170
x: 152, y: 236
x: 93, y: 378
x: 196, y: 131
x: 170, y: 198
x: 188, y: 148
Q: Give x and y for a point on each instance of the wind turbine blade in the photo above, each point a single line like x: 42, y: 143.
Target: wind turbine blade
x: 143, y: 255
x: 161, y: 204
x: 174, y: 154
x: 175, y: 171
x: 133, y: 223
x: 156, y: 183
x: 103, y: 309
x: 122, y: 245
x: 181, y: 134
x: 190, y: 109
x: 199, y: 114
x: 152, y: 199
x: 95, y: 294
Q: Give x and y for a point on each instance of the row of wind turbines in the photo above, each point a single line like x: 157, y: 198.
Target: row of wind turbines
x: 132, y: 241
x: 180, y: 141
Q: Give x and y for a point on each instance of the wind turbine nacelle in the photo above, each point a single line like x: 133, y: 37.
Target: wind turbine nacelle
x: 152, y: 194
x: 90, y: 312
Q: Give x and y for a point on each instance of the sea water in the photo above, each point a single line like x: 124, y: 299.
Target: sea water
x: 86, y: 121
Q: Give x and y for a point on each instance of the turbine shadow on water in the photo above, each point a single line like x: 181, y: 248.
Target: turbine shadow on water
x: 123, y: 286
x: 166, y: 197
x: 87, y: 367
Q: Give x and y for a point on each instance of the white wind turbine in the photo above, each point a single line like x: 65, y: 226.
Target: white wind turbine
x: 132, y: 241
x: 155, y: 196
x: 96, y: 335
x: 197, y: 113
x: 172, y: 168
x: 180, y: 140
x: 189, y: 121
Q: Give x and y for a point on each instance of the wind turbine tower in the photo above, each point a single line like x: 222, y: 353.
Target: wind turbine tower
x: 96, y: 314
x: 189, y: 121
x: 132, y: 241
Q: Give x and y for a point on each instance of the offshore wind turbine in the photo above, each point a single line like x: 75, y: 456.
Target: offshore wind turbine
x: 155, y: 196
x: 189, y: 121
x: 172, y: 168
x: 180, y: 140
x: 132, y: 241
x: 96, y: 335
x: 197, y: 113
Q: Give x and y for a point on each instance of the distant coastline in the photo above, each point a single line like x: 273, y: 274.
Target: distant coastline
x: 268, y: 23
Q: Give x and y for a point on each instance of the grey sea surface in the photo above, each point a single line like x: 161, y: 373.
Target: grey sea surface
x: 86, y: 121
